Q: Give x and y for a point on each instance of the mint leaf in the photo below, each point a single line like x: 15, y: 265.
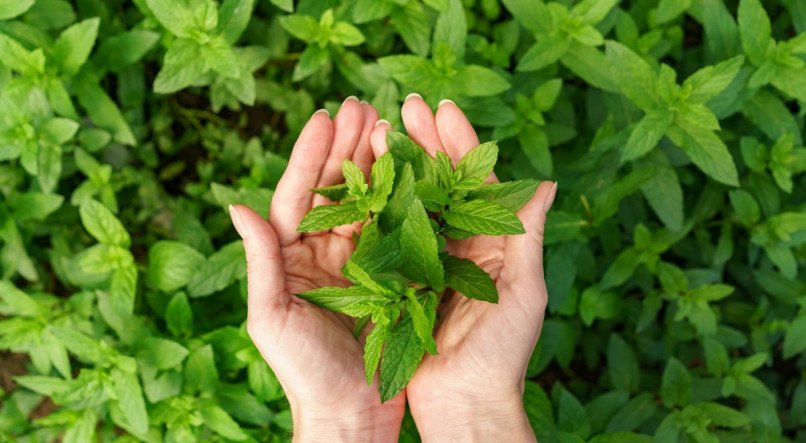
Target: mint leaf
x: 432, y: 196
x: 399, y: 202
x: 635, y: 78
x: 322, y: 218
x: 374, y: 346
x: 359, y: 276
x: 172, y: 264
x: 511, y: 195
x: 173, y: 16
x: 483, y: 217
x: 708, y: 152
x: 418, y: 247
x: 711, y: 80
x: 423, y: 327
x: 99, y: 221
x: 355, y: 301
x: 383, y: 179
x: 354, y: 178
x: 444, y: 168
x: 13, y: 8
x: 474, y: 168
x: 755, y: 30
x: 676, y: 384
x: 405, y: 150
x: 73, y: 46
x: 467, y: 278
x: 401, y: 357
x: 220, y: 270
x: 333, y: 192
x: 646, y: 134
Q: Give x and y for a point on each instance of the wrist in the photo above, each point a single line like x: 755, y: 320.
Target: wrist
x: 339, y: 423
x: 473, y: 418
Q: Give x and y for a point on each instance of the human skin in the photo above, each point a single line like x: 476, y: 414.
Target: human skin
x: 473, y: 389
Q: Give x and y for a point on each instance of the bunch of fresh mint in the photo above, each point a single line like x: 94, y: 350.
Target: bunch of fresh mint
x: 400, y: 268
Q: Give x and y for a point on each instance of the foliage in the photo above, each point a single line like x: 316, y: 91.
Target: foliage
x: 673, y: 254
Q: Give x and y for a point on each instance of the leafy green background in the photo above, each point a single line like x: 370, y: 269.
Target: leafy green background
x: 674, y: 128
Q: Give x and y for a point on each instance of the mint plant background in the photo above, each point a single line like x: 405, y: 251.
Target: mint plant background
x: 673, y: 255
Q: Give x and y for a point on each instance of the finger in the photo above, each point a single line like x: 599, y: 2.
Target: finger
x: 378, y: 138
x: 456, y: 133
x: 420, y: 124
x: 524, y: 253
x: 363, y: 158
x: 346, y: 131
x: 264, y: 265
x: 292, y: 196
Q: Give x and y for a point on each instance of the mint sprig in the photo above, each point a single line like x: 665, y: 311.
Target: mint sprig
x: 400, y: 269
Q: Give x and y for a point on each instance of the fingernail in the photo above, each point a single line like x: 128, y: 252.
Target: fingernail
x: 351, y: 98
x: 322, y: 111
x: 550, y: 199
x: 444, y: 101
x: 237, y: 221
x: 364, y: 102
x: 382, y: 121
x: 413, y: 94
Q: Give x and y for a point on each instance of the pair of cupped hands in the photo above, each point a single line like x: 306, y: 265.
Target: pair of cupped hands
x: 471, y: 390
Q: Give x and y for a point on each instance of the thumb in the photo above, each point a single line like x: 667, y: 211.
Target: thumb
x: 264, y: 264
x: 525, y: 252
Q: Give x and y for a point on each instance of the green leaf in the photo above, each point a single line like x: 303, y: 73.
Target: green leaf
x: 532, y: 14
x: 484, y: 217
x: 102, y: 110
x: 373, y: 348
x: 34, y: 205
x: 451, y: 28
x: 172, y: 264
x: 103, y: 225
x: 58, y: 130
x: 17, y: 302
x: 474, y: 168
x: 571, y: 416
x: 42, y: 384
x: 548, y: 50
x: 722, y: 415
x: 355, y: 180
x: 222, y: 423
x: 511, y: 195
x: 383, y: 179
x: 419, y: 249
x: 355, y: 301
x: 755, y: 30
x: 233, y: 17
x: 675, y: 384
x: 401, y: 357
x: 303, y: 27
x: 646, y: 134
x: 285, y: 5
x: 161, y: 354
x: 326, y: 217
x: 184, y: 63
x: 633, y: 75
x: 622, y: 365
x: 467, y: 278
x: 174, y: 16
x: 396, y: 209
x: 478, y: 81
x: 595, y: 303
x: 359, y: 276
x: 711, y: 80
x: 423, y: 327
x: 179, y: 315
x: 13, y: 8
x: 346, y: 34
x: 795, y: 337
x: 665, y: 195
x: 72, y: 48
x: 219, y: 271
x: 126, y: 48
x: 333, y: 192
x: 708, y: 152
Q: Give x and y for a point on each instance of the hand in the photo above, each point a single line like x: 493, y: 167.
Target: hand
x: 312, y: 351
x: 473, y: 390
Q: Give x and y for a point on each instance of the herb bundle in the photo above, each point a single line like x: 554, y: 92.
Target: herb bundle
x: 400, y: 269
